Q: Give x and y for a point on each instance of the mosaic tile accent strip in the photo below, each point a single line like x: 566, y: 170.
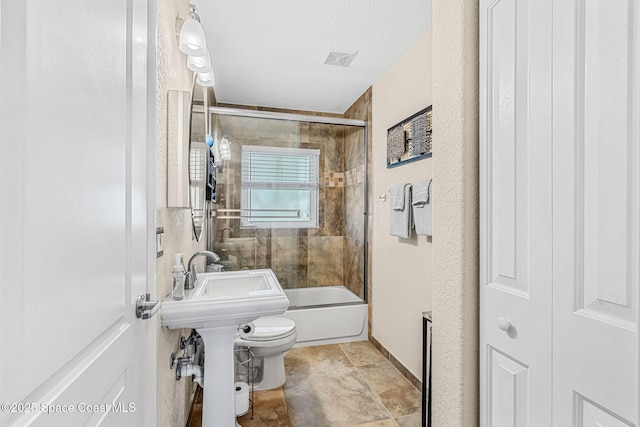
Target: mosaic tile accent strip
x: 334, y: 179
x: 343, y: 179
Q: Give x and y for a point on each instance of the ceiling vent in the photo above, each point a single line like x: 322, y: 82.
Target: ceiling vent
x: 342, y: 59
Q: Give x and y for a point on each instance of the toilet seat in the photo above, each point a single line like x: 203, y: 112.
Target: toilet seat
x: 271, y: 328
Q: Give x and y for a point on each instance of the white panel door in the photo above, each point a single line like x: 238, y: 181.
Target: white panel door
x: 76, y: 211
x: 595, y: 212
x: 515, y: 162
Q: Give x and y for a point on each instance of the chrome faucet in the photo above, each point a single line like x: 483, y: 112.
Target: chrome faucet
x: 191, y: 269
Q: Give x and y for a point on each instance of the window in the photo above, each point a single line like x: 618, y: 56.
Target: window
x: 279, y: 187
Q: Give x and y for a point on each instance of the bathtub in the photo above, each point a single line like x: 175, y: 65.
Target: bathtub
x: 327, y: 315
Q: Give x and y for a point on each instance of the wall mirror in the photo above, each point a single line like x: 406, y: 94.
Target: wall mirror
x: 187, y: 153
x: 198, y: 158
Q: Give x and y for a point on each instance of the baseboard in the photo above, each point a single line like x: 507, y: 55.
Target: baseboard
x: 399, y: 366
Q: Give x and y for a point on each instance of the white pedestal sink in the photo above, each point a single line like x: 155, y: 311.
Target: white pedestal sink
x: 218, y: 304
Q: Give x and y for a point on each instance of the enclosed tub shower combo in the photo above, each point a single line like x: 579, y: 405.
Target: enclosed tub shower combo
x: 289, y: 192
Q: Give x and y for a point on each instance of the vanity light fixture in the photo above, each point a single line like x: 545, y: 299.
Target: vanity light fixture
x: 192, y: 40
x: 206, y: 79
x: 199, y: 64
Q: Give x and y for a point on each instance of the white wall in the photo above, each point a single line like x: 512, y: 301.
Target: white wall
x: 172, y: 74
x: 401, y: 268
x: 455, y: 213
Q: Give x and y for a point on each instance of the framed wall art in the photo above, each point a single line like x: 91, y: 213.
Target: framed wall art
x: 410, y: 140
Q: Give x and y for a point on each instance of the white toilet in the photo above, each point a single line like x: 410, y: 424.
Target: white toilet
x: 272, y: 336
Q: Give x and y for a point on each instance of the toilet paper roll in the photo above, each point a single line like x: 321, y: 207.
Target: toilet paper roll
x: 242, y: 398
x: 247, y: 330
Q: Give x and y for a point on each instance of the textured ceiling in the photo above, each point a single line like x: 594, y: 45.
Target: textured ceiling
x: 271, y: 52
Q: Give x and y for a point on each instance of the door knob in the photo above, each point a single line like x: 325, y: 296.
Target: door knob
x: 504, y: 323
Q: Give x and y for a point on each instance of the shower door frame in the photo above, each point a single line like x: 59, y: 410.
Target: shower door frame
x: 227, y: 111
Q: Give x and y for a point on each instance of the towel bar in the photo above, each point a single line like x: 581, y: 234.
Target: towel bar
x: 295, y: 213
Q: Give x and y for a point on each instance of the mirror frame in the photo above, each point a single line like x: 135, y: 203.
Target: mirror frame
x: 198, y: 221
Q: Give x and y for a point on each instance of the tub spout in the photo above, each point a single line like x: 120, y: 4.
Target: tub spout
x: 225, y: 233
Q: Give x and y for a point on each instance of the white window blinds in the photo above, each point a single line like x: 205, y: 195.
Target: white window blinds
x: 280, y: 187
x: 275, y: 167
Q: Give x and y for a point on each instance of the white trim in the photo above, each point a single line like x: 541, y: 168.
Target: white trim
x: 281, y: 150
x: 151, y: 356
x: 286, y: 116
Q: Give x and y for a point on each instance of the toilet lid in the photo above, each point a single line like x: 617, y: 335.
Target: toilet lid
x: 271, y: 328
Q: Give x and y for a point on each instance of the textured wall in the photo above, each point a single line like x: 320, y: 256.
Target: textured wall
x: 401, y: 268
x: 172, y: 74
x: 455, y: 214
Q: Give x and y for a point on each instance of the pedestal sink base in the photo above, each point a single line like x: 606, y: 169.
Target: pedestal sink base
x: 218, y: 401
x: 218, y: 304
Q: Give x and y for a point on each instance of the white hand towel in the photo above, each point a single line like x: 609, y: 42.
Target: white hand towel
x: 397, y: 197
x: 400, y: 215
x: 422, y: 203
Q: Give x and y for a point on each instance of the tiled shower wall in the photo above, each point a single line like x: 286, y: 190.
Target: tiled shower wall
x: 354, y: 265
x: 326, y: 256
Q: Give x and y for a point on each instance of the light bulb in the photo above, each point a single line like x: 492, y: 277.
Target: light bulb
x: 225, y: 149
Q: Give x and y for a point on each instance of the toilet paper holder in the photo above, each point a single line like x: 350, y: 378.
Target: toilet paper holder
x: 246, y: 329
x: 244, y: 369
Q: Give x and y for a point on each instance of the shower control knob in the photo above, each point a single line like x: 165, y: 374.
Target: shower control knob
x: 504, y: 323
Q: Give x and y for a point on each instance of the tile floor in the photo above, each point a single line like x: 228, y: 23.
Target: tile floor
x: 349, y: 384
